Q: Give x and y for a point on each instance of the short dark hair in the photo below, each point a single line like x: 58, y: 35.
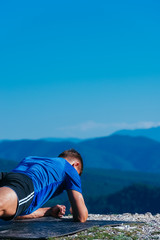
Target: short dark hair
x: 72, y: 153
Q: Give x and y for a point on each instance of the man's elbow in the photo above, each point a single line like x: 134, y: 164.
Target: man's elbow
x: 81, y: 218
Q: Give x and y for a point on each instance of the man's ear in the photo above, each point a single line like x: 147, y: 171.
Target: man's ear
x: 75, y: 164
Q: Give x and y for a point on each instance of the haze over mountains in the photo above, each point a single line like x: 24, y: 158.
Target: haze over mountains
x: 112, y: 165
x: 152, y: 133
x: 120, y: 152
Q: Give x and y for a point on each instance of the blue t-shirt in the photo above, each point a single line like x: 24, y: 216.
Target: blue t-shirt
x: 50, y: 177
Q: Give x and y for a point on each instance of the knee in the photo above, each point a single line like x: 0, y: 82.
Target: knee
x: 2, y: 203
x: 8, y: 202
x: 2, y: 207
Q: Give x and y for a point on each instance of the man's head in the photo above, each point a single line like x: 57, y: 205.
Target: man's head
x: 74, y: 158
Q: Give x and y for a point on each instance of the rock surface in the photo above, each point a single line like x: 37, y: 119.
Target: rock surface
x: 147, y: 227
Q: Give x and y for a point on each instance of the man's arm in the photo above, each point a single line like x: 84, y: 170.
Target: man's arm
x: 57, y: 211
x: 79, y: 210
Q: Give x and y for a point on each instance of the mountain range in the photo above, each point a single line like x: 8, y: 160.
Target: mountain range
x: 152, y: 133
x: 112, y: 167
x: 120, y: 152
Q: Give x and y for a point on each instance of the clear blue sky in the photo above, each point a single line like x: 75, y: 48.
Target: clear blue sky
x: 78, y: 68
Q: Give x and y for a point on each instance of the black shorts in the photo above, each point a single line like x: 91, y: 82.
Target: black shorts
x: 23, y: 187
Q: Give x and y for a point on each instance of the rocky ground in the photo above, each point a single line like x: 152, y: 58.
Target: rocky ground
x: 146, y: 227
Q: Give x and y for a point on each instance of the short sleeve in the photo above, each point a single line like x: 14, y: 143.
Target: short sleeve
x: 73, y: 182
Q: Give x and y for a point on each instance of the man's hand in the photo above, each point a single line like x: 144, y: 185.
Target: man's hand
x: 57, y: 211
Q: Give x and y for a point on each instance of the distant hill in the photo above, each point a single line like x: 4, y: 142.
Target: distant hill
x: 7, y: 165
x: 152, y: 133
x: 17, y: 150
x: 73, y: 140
x: 123, y: 152
x: 137, y: 198
x: 113, y: 152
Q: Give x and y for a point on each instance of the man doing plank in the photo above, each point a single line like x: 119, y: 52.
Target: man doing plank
x: 35, y: 180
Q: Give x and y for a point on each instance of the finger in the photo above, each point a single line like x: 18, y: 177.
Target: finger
x: 62, y: 211
x: 60, y: 215
x: 58, y: 205
x: 62, y: 208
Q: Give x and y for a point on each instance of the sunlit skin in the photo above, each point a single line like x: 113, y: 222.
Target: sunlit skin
x: 9, y: 201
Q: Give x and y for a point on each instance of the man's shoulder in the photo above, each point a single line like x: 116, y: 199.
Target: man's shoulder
x: 41, y: 157
x: 44, y: 159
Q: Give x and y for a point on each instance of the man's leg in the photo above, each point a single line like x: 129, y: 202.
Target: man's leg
x: 8, y: 202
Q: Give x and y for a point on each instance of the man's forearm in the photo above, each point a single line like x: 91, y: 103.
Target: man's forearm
x: 57, y: 211
x: 78, y: 207
x: 41, y: 212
